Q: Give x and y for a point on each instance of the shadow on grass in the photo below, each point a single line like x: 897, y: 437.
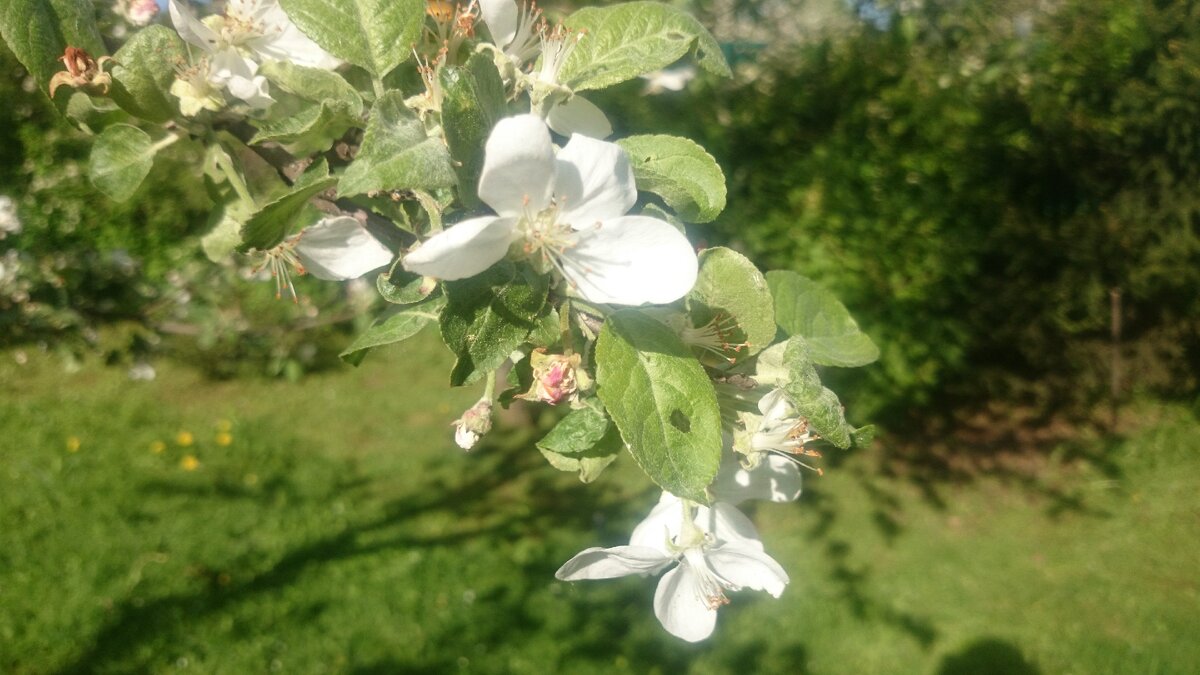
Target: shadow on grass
x: 504, y: 494
x: 987, y: 656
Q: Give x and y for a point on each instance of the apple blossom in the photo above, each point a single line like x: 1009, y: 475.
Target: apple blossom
x: 716, y: 550
x: 565, y: 213
x: 335, y: 249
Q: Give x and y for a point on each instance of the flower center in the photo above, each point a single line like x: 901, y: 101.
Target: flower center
x: 545, y: 239
x: 709, y: 585
x: 557, y: 45
x: 281, y: 260
x: 715, y: 337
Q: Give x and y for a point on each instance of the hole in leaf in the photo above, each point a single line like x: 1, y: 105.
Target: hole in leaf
x: 680, y: 421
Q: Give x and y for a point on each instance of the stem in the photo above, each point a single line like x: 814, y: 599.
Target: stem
x: 564, y: 325
x: 380, y: 90
x: 235, y: 179
x: 166, y: 141
x: 489, y: 387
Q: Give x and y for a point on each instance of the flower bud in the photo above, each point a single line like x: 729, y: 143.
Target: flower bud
x: 556, y: 377
x: 473, y: 424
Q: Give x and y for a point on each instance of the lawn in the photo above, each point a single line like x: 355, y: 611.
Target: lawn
x: 331, y: 526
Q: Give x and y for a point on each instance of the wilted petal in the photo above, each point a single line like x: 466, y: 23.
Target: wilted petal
x: 747, y: 567
x: 608, y: 563
x: 680, y: 605
x: 775, y: 479
x: 340, y: 248
x: 630, y: 261
x: 593, y: 182
x: 463, y: 250
x: 518, y: 166
x: 578, y: 115
x: 501, y: 18
x: 192, y: 29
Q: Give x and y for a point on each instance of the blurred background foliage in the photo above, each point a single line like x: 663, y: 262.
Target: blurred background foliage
x: 975, y: 179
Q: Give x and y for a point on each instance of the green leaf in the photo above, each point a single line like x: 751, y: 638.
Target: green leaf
x: 401, y: 287
x: 94, y: 114
x: 729, y: 284
x: 584, y: 441
x: 314, y: 84
x: 472, y: 103
x: 224, y: 237
x: 397, y: 153
x: 626, y: 40
x: 271, y: 223
x: 681, y: 172
x: 144, y: 72
x: 375, y: 34
x: 662, y: 401
x: 39, y: 31
x: 811, y: 399
x: 395, y: 324
x: 804, y: 308
x: 121, y: 160
x: 488, y: 316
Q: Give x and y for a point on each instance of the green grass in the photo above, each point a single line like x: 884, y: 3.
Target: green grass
x: 342, y: 532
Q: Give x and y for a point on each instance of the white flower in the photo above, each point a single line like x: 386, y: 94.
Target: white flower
x: 9, y: 222
x: 567, y: 112
x: 566, y: 212
x: 668, y: 79
x: 514, y: 28
x: 335, y: 249
x: 258, y: 26
x: 717, y: 550
x: 769, y: 477
x: 779, y: 429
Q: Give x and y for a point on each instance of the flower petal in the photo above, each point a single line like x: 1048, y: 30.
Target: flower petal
x: 680, y: 606
x: 727, y: 524
x: 192, y: 29
x: 775, y: 479
x: 463, y: 250
x: 630, y: 261
x: 577, y: 115
x: 518, y: 166
x: 340, y: 248
x: 593, y: 182
x: 608, y: 563
x: 774, y: 407
x: 661, y: 525
x: 501, y: 19
x: 282, y: 40
x: 747, y: 567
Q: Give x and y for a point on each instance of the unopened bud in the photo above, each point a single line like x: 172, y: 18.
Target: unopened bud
x: 556, y: 377
x: 473, y: 424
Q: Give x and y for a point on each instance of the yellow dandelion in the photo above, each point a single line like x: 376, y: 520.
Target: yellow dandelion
x: 189, y: 463
x: 224, y: 426
x: 185, y: 439
x: 73, y: 443
x: 224, y: 438
x: 158, y: 447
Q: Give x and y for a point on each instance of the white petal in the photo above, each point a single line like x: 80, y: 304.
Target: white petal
x: 340, y: 248
x: 630, y: 261
x: 661, y: 526
x: 728, y: 524
x: 774, y: 406
x: 283, y: 41
x: 775, y: 479
x: 608, y: 563
x: 518, y: 166
x: 463, y: 250
x: 747, y: 568
x: 501, y: 19
x: 593, y: 182
x: 577, y: 115
x: 192, y: 29
x: 251, y: 90
x: 680, y: 606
